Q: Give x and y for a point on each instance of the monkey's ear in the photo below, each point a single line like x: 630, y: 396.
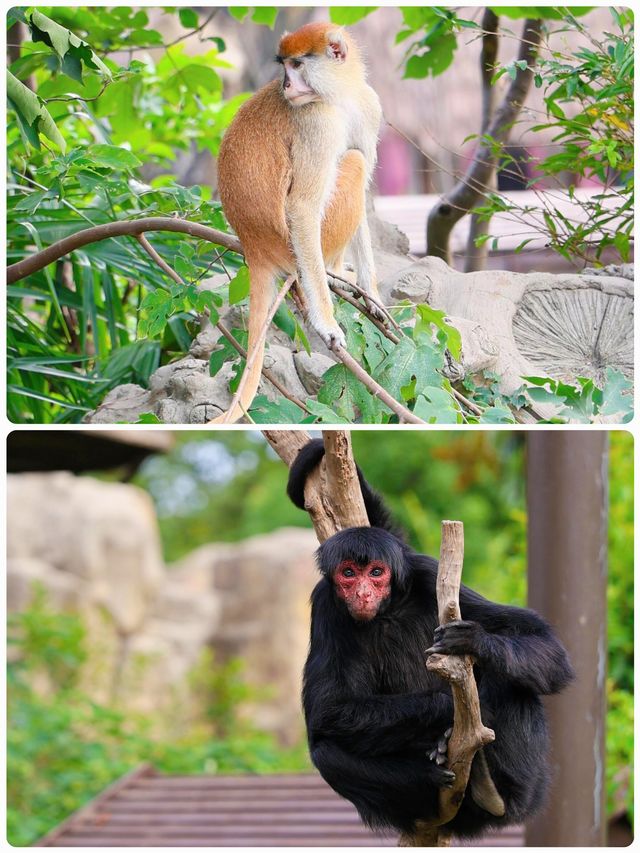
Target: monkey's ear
x: 337, y: 46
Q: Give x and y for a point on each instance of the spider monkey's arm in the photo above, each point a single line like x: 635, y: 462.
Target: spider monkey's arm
x: 309, y: 458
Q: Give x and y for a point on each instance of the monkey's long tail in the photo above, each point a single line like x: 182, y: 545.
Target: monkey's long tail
x: 261, y: 294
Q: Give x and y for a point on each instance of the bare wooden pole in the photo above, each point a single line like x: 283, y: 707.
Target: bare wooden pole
x: 469, y: 734
x: 567, y: 574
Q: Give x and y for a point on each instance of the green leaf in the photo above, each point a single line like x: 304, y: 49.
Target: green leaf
x: 32, y: 112
x: 617, y: 394
x: 348, y: 396
x: 265, y: 15
x: 63, y: 41
x: 436, y: 406
x: 283, y: 411
x: 430, y: 316
x: 148, y: 418
x: 406, y: 363
x: 111, y: 157
x: 324, y: 414
x: 238, y: 12
x: 285, y: 321
x: 434, y: 61
x: 188, y: 18
x: 497, y: 415
x: 239, y: 286
x: 345, y: 16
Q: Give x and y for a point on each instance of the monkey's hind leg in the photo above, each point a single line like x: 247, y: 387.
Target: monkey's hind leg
x: 261, y: 294
x: 345, y: 222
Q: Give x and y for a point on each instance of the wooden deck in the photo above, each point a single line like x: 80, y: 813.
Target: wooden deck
x: 148, y: 809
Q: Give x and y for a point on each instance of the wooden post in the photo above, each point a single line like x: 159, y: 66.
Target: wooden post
x: 567, y: 541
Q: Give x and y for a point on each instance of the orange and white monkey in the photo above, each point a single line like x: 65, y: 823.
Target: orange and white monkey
x: 293, y: 169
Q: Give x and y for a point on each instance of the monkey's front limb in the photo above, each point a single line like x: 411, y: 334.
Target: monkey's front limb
x: 304, y: 233
x: 365, y: 268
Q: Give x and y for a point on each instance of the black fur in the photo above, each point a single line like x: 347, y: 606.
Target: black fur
x: 373, y: 710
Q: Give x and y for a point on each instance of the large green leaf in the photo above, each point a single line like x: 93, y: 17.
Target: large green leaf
x: 32, y: 113
x: 72, y: 50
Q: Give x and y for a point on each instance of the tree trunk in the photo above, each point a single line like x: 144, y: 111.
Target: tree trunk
x: 472, y: 187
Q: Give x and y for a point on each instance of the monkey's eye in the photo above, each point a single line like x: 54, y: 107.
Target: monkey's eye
x: 375, y: 573
x: 297, y: 63
x: 348, y: 573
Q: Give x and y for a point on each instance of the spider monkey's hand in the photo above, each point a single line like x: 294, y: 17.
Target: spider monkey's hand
x: 459, y: 637
x: 440, y: 776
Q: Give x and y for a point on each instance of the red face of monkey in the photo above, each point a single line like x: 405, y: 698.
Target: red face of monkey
x: 363, y: 588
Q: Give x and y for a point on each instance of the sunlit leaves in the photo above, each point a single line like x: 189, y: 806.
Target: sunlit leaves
x: 347, y: 15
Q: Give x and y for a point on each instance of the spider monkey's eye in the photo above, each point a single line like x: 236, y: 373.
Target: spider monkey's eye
x: 375, y: 573
x: 348, y: 573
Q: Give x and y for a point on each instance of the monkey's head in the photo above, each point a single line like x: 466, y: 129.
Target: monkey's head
x: 365, y: 566
x: 316, y: 59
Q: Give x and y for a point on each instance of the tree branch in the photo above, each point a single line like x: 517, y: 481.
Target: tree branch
x: 476, y: 256
x: 469, y: 734
x: 332, y: 492
x: 130, y: 227
x: 469, y: 190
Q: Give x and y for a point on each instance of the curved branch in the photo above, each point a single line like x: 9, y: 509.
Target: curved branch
x: 129, y: 227
x: 469, y: 190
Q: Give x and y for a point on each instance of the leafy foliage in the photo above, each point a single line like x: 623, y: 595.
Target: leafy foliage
x: 107, y: 314
x: 64, y: 747
x: 590, y: 111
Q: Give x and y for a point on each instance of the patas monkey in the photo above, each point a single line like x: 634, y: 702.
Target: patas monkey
x: 293, y: 169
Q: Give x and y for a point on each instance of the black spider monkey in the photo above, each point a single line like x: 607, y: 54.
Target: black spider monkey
x: 375, y: 715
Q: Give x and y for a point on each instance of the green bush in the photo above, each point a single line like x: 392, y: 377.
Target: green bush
x: 63, y: 747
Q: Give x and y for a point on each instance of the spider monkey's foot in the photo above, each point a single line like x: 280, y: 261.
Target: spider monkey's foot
x: 439, y: 754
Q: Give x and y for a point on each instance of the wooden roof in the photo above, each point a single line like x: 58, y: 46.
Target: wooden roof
x: 148, y: 809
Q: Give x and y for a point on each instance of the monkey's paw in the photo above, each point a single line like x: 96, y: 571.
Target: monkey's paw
x: 439, y: 754
x: 375, y: 310
x: 333, y: 336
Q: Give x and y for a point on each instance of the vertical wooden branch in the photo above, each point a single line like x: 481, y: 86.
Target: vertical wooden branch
x: 332, y: 493
x: 469, y: 734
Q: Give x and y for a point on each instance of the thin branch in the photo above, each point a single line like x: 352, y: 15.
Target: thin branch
x: 469, y: 734
x: 367, y: 296
x: 223, y: 329
x: 266, y: 372
x: 193, y: 32
x: 146, y: 245
x: 363, y: 310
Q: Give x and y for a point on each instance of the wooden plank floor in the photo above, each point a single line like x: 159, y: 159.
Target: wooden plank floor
x: 147, y: 809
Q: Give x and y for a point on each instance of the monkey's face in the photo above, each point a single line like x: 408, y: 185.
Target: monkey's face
x: 295, y: 86
x: 364, y: 589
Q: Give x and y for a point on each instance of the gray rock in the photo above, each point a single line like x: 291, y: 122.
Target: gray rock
x: 311, y: 368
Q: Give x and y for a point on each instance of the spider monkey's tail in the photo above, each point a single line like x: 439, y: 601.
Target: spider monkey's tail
x: 309, y: 458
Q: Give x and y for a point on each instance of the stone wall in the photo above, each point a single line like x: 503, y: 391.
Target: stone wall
x: 95, y: 548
